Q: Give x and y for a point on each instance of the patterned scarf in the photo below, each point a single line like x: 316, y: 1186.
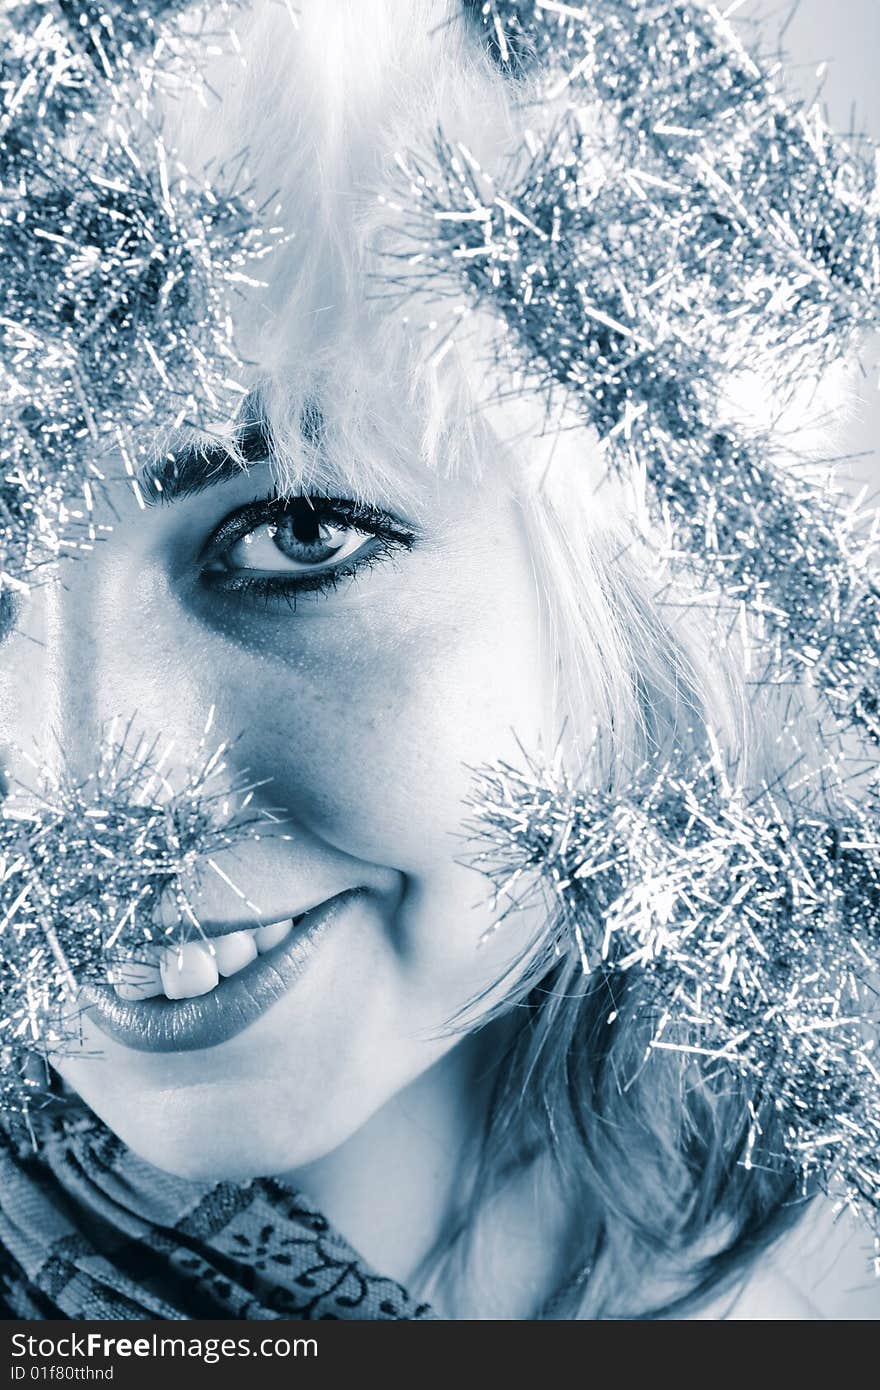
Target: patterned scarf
x: 88, y: 1230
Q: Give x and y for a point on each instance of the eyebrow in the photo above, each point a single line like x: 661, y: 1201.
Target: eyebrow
x: 197, y: 465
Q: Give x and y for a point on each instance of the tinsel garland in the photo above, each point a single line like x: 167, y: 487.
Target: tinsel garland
x: 754, y: 924
x: 117, y: 268
x: 93, y: 869
x: 671, y: 224
x: 117, y: 273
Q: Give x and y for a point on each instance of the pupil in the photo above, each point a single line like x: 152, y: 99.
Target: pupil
x: 298, y: 525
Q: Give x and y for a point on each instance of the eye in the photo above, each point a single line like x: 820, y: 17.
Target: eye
x: 294, y: 541
x: 290, y: 545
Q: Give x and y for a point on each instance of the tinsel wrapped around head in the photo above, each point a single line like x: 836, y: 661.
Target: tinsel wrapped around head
x: 117, y: 271
x: 93, y: 870
x: 753, y: 922
x: 670, y: 227
x: 670, y: 224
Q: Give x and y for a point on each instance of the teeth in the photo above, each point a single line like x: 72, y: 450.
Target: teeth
x: 270, y: 935
x: 185, y: 972
x: 188, y: 970
x: 234, y: 952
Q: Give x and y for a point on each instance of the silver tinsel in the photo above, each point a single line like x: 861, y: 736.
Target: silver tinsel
x: 117, y: 269
x: 756, y: 924
x: 91, y: 870
x: 669, y: 225
x: 672, y: 223
x: 117, y: 274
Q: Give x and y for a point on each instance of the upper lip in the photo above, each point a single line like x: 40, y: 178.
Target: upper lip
x: 186, y: 1025
x: 215, y: 929
x: 210, y: 928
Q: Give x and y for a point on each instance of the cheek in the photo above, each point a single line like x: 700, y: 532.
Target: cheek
x: 368, y: 715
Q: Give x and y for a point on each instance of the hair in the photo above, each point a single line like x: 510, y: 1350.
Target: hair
x: 647, y: 1156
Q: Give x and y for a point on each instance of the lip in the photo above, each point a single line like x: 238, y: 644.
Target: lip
x: 188, y: 1025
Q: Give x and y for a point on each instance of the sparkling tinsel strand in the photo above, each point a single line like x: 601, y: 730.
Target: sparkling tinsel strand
x: 117, y: 271
x: 755, y: 927
x: 93, y: 870
x: 672, y: 224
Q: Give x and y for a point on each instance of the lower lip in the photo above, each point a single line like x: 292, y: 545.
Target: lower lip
x: 187, y: 1025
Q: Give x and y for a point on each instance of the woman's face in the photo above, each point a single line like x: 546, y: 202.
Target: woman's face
x: 360, y: 664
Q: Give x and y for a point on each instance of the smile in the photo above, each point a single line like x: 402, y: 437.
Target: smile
x: 181, y: 998
x: 193, y: 968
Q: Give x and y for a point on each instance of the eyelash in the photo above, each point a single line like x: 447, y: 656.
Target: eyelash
x: 387, y: 531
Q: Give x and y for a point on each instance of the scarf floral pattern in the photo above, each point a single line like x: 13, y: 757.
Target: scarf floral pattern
x: 89, y: 1230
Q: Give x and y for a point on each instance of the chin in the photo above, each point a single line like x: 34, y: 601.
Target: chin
x: 216, y: 1132
x: 206, y: 1143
